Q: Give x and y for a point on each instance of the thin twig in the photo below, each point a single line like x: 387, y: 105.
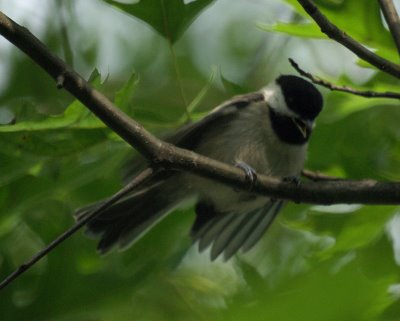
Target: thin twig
x: 322, y: 82
x: 392, y: 19
x: 138, y: 180
x: 350, y: 43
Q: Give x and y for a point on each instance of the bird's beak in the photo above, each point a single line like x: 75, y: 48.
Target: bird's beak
x: 303, y: 126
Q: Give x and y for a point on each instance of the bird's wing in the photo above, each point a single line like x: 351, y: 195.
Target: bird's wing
x: 190, y: 135
x: 228, y: 232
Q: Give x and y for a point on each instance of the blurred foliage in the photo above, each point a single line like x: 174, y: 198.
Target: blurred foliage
x: 316, y: 263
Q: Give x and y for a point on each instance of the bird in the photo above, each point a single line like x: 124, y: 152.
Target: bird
x: 263, y: 132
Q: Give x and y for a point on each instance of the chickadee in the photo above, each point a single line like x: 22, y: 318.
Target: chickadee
x: 263, y: 132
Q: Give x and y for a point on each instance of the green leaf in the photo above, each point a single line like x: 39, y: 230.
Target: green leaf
x: 232, y: 87
x: 61, y: 142
x: 124, y: 96
x: 304, y: 30
x: 170, y: 18
x: 201, y: 95
x: 75, y: 116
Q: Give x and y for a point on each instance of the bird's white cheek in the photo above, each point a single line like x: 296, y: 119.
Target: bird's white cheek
x: 275, y: 98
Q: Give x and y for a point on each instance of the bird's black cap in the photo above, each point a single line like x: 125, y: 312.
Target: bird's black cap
x: 301, y: 96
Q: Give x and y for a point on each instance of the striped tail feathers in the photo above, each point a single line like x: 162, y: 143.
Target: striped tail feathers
x: 228, y: 233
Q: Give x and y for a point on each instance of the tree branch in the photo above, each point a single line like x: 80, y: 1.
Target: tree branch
x: 392, y: 19
x: 350, y: 43
x: 322, y: 82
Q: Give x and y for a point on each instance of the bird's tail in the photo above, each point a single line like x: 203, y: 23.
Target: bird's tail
x: 128, y: 219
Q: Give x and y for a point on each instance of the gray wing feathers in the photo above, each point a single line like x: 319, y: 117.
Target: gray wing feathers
x: 212, y: 230
x: 259, y: 231
x: 226, y: 236
x: 253, y: 219
x: 229, y: 232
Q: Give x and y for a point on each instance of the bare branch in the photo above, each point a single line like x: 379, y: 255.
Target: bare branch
x: 139, y: 179
x: 322, y: 82
x: 392, y: 19
x: 350, y: 43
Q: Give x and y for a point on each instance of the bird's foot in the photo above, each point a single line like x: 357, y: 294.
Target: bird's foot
x: 292, y: 179
x: 250, y: 172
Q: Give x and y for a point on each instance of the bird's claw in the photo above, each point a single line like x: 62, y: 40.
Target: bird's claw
x: 292, y: 179
x: 250, y: 172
